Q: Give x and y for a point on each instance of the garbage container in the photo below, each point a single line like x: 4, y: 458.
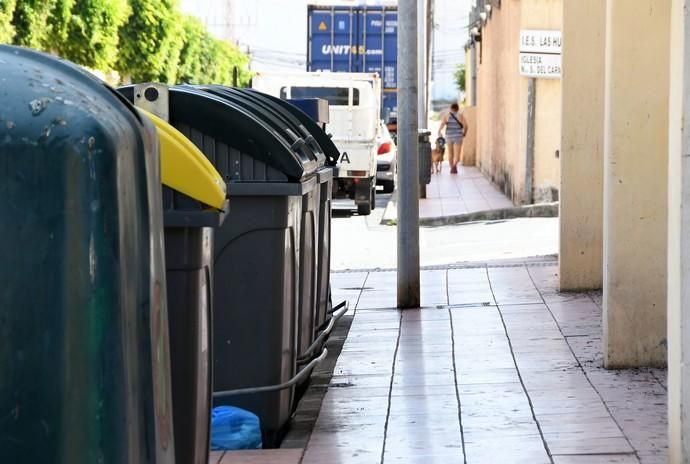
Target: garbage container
x: 314, y: 122
x: 316, y: 110
x: 291, y: 130
x: 323, y: 279
x: 424, y: 161
x: 84, y: 366
x: 312, y: 125
x: 194, y: 203
x: 256, y: 250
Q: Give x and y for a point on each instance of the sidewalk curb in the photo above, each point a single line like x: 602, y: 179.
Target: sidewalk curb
x: 528, y: 211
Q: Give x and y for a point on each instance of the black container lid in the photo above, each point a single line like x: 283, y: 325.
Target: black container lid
x: 329, y: 148
x: 236, y: 127
x: 274, y: 115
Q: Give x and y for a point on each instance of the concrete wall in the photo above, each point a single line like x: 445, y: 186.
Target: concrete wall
x: 582, y: 145
x: 468, y: 77
x: 502, y: 102
x: 545, y: 14
x: 636, y: 117
x: 678, y: 324
x: 469, y: 144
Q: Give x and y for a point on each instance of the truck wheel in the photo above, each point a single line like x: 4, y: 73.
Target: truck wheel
x: 364, y: 209
x: 388, y: 186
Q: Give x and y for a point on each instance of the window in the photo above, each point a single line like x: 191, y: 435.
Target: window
x: 336, y: 96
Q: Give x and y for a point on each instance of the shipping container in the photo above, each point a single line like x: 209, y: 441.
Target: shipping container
x: 356, y: 39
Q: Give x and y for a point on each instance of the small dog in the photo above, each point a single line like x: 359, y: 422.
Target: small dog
x: 437, y: 155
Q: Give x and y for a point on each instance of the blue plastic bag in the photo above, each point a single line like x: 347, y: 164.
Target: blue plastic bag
x: 234, y: 429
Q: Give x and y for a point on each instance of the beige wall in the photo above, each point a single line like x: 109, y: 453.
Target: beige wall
x: 582, y: 145
x: 502, y: 102
x: 678, y: 316
x: 545, y: 14
x: 636, y: 183
x: 468, y: 78
x: 469, y: 144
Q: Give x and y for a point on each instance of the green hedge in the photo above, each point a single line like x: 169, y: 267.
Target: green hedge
x: 145, y: 40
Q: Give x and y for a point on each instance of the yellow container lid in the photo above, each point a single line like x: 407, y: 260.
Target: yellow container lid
x: 185, y: 168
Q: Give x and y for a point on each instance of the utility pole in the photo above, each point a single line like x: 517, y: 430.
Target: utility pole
x: 408, y: 152
x: 527, y: 198
x: 421, y: 62
x: 431, y: 6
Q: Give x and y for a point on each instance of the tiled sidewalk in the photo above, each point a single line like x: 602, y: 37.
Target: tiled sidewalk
x: 497, y: 368
x: 448, y: 194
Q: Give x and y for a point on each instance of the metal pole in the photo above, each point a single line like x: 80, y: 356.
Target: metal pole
x: 421, y: 62
x: 408, y: 153
x: 473, y: 74
x: 529, y: 158
x: 430, y: 5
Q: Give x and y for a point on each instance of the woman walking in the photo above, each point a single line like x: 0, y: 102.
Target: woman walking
x: 456, y: 128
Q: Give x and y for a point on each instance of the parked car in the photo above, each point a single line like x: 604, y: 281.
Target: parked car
x: 386, y: 160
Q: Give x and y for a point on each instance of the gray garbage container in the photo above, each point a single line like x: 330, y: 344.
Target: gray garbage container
x: 189, y: 273
x: 192, y: 209
x: 323, y: 280
x: 278, y: 118
x: 314, y: 114
x: 256, y: 250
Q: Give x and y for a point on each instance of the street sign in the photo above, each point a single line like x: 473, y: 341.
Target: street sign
x: 540, y: 54
x: 540, y: 65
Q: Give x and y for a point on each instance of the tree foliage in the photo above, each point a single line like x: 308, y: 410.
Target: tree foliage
x: 460, y: 77
x: 6, y: 14
x: 31, y: 21
x: 218, y: 60
x: 148, y: 41
x: 195, y: 37
x: 205, y: 59
x: 91, y: 35
x: 172, y: 47
x: 59, y: 21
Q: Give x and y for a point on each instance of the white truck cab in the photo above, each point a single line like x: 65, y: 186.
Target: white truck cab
x: 354, y: 106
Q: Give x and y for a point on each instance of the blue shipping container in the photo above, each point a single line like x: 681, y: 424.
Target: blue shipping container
x: 356, y: 39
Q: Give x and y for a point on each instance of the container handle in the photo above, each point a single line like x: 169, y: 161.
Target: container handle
x: 338, y: 312
x: 305, y: 372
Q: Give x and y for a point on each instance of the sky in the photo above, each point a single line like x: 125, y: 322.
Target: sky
x: 274, y: 32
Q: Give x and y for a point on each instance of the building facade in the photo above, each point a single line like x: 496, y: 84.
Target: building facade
x: 519, y: 155
x: 617, y: 117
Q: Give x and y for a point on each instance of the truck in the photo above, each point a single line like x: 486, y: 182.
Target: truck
x: 354, y: 105
x: 344, y: 38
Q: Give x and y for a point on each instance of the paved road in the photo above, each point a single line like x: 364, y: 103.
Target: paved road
x: 361, y: 242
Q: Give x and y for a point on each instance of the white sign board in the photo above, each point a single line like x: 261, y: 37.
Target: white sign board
x: 540, y: 54
x: 540, y: 65
x: 532, y: 41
